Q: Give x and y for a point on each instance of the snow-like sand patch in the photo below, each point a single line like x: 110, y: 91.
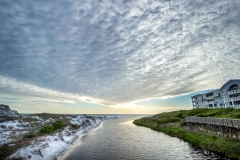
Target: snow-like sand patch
x: 51, y: 146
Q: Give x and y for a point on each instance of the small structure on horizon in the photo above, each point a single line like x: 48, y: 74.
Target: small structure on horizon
x: 227, y: 96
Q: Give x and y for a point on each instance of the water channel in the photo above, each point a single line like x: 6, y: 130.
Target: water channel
x: 121, y: 139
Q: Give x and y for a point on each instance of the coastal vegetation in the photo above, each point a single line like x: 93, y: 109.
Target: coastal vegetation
x: 48, y: 129
x: 174, y: 124
x: 31, y: 135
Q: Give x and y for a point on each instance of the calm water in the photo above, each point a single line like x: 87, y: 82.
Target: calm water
x: 121, y: 139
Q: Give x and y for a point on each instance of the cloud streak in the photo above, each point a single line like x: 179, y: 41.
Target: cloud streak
x: 115, y: 53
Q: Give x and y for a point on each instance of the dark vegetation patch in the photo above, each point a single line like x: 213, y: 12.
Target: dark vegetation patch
x: 46, y: 129
x: 8, y: 149
x: 58, y: 125
x: 4, y: 150
x: 29, y: 135
x: 55, y: 126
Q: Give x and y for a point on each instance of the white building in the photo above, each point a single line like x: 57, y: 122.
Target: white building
x: 227, y: 96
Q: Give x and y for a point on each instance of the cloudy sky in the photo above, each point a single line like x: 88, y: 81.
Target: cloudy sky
x: 146, y: 56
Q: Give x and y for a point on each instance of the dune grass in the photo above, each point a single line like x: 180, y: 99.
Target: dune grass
x: 173, y: 124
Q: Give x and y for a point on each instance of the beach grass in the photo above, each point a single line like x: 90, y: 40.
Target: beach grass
x: 174, y: 124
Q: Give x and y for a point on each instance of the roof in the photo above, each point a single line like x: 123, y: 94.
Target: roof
x: 211, y: 91
x: 205, y: 93
x: 229, y: 82
x: 196, y: 95
x: 217, y: 89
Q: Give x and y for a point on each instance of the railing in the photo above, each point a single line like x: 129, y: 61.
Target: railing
x: 235, y: 98
x: 232, y: 99
x: 237, y: 105
x: 210, y: 97
x: 227, y: 99
x: 207, y: 103
x: 215, y: 121
x: 215, y: 94
x: 201, y: 106
x: 234, y: 91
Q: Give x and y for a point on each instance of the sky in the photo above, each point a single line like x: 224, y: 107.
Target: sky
x: 115, y: 57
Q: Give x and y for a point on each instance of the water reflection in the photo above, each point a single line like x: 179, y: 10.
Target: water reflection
x: 121, y: 139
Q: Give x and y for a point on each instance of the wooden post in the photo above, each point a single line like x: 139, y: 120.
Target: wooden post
x: 222, y: 131
x: 198, y: 127
x: 230, y: 130
x: 212, y: 129
x: 236, y: 133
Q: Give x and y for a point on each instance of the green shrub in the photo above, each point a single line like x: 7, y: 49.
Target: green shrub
x: 74, y: 126
x: 237, y: 116
x: 46, y: 129
x: 168, y: 120
x: 4, y: 148
x: 162, y: 120
x: 181, y: 133
x: 4, y: 152
x: 183, y: 122
x: 195, y: 111
x: 29, y: 135
x: 57, y: 125
x: 213, y: 137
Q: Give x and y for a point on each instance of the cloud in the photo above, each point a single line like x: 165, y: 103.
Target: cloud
x: 9, y: 85
x: 115, y: 53
x: 9, y: 98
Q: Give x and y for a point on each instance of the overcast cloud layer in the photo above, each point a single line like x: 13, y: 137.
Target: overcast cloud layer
x: 117, y: 52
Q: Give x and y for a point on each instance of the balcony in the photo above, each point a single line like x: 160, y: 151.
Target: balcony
x: 209, y: 97
x: 207, y: 103
x: 234, y: 91
x: 234, y: 99
x: 237, y: 105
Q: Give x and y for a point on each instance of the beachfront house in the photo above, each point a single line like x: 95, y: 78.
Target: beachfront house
x: 227, y: 96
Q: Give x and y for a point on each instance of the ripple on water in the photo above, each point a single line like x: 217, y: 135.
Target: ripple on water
x: 121, y: 139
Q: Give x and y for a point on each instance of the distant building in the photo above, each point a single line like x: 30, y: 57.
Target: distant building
x: 227, y: 96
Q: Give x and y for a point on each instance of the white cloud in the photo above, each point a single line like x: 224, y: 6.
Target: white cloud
x: 117, y: 52
x: 43, y: 94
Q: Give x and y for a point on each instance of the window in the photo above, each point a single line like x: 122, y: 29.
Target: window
x: 233, y: 87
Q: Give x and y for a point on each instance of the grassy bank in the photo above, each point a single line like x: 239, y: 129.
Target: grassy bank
x: 174, y: 124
